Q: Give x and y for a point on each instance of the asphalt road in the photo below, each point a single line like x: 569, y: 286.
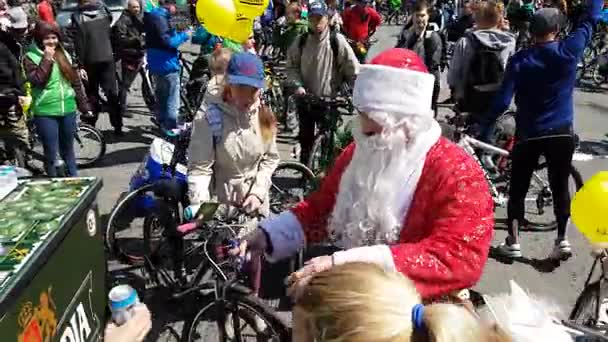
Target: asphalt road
x: 560, y: 284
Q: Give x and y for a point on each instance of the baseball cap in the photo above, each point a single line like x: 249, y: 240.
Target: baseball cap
x: 546, y: 20
x: 317, y: 8
x: 246, y: 69
x: 17, y: 17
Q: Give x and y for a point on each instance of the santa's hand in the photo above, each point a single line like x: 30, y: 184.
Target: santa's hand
x: 301, y: 277
x: 251, y: 204
x: 255, y: 243
x: 134, y: 329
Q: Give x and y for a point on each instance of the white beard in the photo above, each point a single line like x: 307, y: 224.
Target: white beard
x: 371, y: 204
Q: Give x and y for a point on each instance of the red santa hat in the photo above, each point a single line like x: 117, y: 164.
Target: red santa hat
x: 395, y: 84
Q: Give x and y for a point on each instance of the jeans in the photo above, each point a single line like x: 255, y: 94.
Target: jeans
x: 103, y: 75
x: 129, y: 73
x: 57, y: 133
x: 167, y: 97
x: 558, y: 152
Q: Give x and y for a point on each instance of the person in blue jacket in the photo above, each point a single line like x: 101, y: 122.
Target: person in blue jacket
x: 542, y: 79
x: 162, y: 43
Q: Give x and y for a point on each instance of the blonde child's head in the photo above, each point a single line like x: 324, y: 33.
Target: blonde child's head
x: 361, y: 302
x: 218, y: 62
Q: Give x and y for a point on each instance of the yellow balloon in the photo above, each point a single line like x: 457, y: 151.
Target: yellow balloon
x: 251, y: 8
x: 589, y: 208
x: 242, y: 29
x: 217, y: 16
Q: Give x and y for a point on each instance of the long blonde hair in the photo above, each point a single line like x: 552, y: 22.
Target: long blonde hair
x: 359, y: 302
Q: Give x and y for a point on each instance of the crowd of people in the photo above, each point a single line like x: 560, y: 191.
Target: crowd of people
x: 408, y: 211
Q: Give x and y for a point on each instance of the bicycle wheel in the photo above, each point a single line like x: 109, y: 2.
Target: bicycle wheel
x: 89, y: 145
x: 291, y: 182
x: 539, y: 199
x: 586, y: 311
x: 319, y: 158
x: 124, y: 232
x: 255, y: 323
x: 148, y: 91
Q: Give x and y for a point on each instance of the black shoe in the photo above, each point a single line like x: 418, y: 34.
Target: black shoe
x: 118, y: 132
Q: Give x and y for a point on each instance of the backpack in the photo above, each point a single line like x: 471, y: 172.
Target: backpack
x: 333, y: 42
x: 486, y: 71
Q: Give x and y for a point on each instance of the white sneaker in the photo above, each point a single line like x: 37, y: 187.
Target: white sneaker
x: 508, y: 250
x: 561, y: 250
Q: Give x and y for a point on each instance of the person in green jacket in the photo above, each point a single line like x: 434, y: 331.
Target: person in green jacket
x: 295, y: 27
x: 57, y: 94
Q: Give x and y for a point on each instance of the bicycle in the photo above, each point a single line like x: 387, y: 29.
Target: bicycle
x: 330, y: 139
x: 273, y: 93
x: 587, y: 311
x: 496, y: 166
x: 235, y: 313
x: 188, y: 107
x: 290, y: 182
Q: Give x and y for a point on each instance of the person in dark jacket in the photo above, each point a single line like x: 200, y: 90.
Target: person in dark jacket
x: 128, y: 41
x: 542, y: 78
x: 13, y: 127
x: 425, y: 42
x: 466, y: 21
x: 93, y: 47
x: 162, y: 42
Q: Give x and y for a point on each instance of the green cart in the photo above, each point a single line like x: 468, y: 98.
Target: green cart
x: 52, y: 262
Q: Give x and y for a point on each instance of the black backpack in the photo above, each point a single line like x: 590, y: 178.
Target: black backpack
x: 486, y: 71
x: 333, y: 42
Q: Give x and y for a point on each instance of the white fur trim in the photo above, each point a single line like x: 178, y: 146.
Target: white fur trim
x: 379, y: 254
x: 198, y: 188
x: 286, y: 235
x: 427, y: 140
x: 380, y: 88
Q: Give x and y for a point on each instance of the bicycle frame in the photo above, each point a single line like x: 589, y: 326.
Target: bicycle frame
x: 469, y: 144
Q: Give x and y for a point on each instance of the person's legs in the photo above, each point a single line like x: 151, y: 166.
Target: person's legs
x: 524, y: 159
x: 92, y: 89
x: 109, y: 84
x: 129, y: 72
x: 306, y: 136
x: 558, y: 153
x: 48, y: 131
x: 173, y: 101
x: 161, y: 93
x: 67, y: 129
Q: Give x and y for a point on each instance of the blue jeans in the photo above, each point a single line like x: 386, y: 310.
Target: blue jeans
x: 167, y: 97
x: 57, y: 135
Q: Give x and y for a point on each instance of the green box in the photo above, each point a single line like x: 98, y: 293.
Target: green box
x: 59, y: 292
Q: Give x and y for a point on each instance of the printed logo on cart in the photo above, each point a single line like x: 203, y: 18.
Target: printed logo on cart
x: 79, y: 322
x: 38, y: 323
x: 91, y: 223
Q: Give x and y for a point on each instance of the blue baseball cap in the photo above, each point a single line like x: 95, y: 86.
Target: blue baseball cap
x: 246, y: 69
x: 317, y: 8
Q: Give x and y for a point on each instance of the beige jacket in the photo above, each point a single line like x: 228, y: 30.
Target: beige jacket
x: 314, y: 69
x: 240, y: 162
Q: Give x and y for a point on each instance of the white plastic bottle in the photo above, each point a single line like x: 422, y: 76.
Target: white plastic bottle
x: 8, y: 180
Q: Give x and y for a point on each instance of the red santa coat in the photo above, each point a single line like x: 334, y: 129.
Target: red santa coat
x: 445, y: 239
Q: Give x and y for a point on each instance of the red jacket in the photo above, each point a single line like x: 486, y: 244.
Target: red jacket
x: 45, y: 12
x: 359, y: 21
x: 446, y: 236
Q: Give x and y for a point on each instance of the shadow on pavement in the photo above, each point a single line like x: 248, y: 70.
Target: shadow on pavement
x: 131, y: 155
x: 541, y: 265
x: 596, y: 148
x: 501, y: 224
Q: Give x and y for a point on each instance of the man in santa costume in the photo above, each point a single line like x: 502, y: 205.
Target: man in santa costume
x: 400, y: 196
